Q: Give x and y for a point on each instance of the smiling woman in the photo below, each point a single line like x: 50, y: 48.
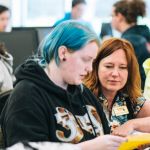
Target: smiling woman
x: 115, y: 80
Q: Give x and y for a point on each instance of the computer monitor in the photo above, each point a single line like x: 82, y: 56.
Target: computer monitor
x: 21, y: 44
x: 41, y: 31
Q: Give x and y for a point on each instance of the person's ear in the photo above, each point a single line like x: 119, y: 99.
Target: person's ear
x: 62, y: 53
x: 120, y: 17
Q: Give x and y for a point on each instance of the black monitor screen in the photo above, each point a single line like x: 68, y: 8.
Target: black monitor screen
x: 21, y: 44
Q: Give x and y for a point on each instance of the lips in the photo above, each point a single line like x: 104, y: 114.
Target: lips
x: 82, y: 76
x: 113, y: 81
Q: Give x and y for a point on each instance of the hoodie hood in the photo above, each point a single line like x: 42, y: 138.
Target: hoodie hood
x: 32, y: 71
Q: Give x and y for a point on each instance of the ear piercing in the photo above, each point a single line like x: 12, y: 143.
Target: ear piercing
x: 64, y: 59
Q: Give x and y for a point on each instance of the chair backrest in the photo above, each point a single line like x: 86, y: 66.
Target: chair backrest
x: 106, y: 30
x: 3, y: 98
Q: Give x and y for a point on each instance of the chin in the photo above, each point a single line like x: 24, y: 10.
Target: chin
x: 78, y: 82
x: 75, y: 82
x: 114, y: 88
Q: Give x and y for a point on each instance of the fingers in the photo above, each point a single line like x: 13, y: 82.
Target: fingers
x: 119, y: 134
x: 122, y: 133
x: 118, y: 139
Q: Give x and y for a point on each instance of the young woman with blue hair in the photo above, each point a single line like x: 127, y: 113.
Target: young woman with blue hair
x: 49, y: 102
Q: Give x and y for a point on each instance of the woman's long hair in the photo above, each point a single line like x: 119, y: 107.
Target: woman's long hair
x: 3, y: 49
x: 133, y: 85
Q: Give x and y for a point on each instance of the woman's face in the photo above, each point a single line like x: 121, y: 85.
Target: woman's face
x: 113, y: 71
x: 115, y: 20
x: 78, y: 64
x: 78, y: 11
x: 4, y: 20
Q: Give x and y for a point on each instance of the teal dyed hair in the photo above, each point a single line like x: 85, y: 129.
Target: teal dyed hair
x: 71, y: 34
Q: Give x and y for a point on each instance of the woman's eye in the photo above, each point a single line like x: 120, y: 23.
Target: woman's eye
x: 108, y: 66
x: 86, y: 59
x: 123, y: 67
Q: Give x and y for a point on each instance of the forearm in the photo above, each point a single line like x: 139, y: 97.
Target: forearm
x: 106, y: 142
x: 43, y: 145
x: 140, y: 124
x: 87, y: 145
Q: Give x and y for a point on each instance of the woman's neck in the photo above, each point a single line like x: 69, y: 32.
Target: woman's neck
x: 110, y: 95
x: 54, y: 74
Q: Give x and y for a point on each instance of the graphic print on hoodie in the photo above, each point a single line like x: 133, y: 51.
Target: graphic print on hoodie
x: 39, y: 110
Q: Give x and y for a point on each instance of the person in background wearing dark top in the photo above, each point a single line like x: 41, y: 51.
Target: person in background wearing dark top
x: 4, y: 18
x: 49, y: 102
x: 115, y: 81
x: 77, y: 12
x: 124, y: 19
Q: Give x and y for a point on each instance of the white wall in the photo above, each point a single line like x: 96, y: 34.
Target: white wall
x: 5, y: 2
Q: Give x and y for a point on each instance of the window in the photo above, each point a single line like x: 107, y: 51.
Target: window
x: 36, y: 12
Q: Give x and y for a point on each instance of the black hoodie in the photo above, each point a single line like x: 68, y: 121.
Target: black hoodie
x: 39, y: 110
x: 139, y: 35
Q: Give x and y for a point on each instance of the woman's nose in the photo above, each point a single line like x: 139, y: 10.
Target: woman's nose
x: 89, y: 68
x: 115, y: 72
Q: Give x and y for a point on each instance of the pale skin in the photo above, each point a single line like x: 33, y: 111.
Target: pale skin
x: 78, y: 11
x: 4, y: 20
x: 113, y: 76
x: 64, y: 74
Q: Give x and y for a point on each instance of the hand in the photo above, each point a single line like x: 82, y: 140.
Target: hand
x: 109, y: 142
x: 124, y: 130
x: 105, y: 142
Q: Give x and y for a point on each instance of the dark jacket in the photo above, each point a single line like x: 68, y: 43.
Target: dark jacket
x: 39, y: 110
x: 139, y: 35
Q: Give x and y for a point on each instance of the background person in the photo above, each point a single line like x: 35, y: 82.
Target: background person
x: 146, y: 66
x: 6, y: 71
x: 77, y: 12
x: 4, y: 18
x: 125, y: 15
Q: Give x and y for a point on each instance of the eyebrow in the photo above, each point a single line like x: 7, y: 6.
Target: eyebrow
x: 89, y: 57
x: 113, y: 63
